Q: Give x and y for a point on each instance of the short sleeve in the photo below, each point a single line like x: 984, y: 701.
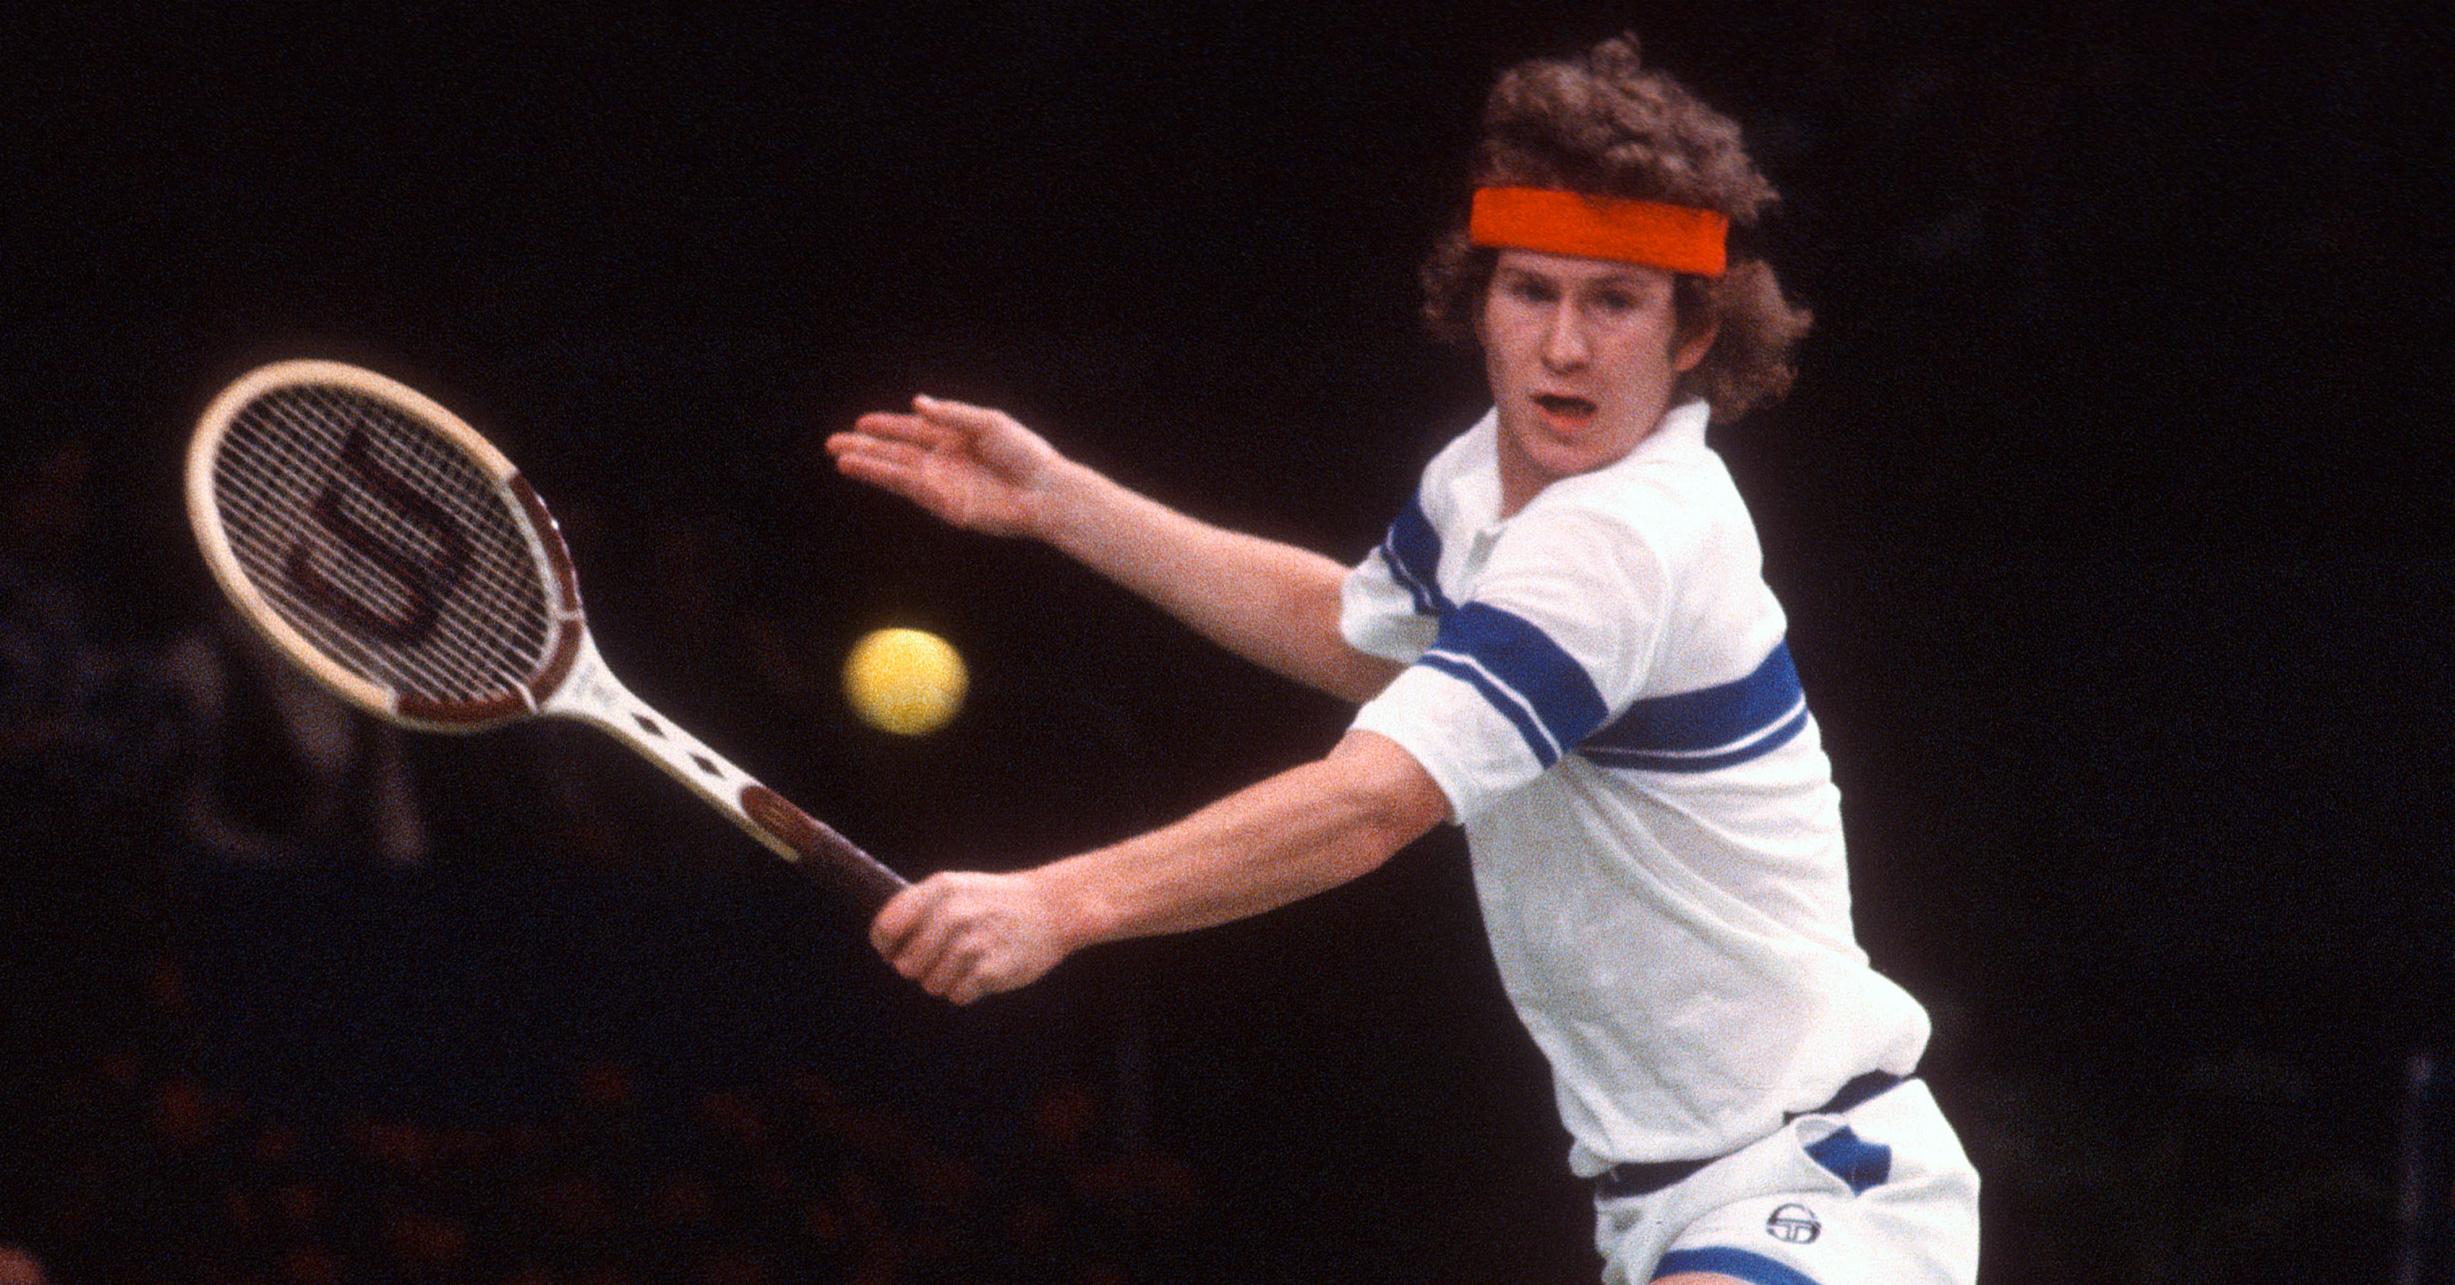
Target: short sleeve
x: 1389, y: 605
x: 1558, y: 635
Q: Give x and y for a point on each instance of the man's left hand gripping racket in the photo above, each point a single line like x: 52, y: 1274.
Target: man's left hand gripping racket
x: 395, y: 555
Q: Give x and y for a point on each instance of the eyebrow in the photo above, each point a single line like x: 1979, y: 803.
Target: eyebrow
x: 1617, y: 278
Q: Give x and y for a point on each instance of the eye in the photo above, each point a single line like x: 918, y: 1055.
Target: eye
x: 1530, y: 290
x: 1618, y: 303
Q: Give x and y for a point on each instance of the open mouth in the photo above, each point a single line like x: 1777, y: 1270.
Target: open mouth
x: 1575, y: 410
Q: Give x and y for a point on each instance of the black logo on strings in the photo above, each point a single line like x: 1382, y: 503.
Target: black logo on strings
x: 426, y: 577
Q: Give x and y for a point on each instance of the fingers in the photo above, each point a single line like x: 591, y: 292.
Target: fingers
x: 929, y: 955
x: 898, y: 426
x: 908, y: 454
x: 972, y: 987
x: 880, y: 461
x: 961, y: 937
x: 932, y: 423
x: 962, y: 417
x: 954, y: 966
x: 902, y: 915
x: 884, y: 445
x: 900, y: 467
x: 931, y: 940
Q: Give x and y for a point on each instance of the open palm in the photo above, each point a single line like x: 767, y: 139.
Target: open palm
x: 971, y: 466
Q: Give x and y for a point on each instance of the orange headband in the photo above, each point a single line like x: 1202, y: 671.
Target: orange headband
x: 1677, y: 237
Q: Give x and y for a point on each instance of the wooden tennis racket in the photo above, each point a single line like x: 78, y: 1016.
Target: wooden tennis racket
x: 394, y: 554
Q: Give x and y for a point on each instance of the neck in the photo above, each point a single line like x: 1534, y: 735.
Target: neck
x: 1520, y: 482
x: 1522, y: 479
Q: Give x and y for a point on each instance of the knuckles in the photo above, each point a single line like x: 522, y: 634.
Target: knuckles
x: 954, y: 935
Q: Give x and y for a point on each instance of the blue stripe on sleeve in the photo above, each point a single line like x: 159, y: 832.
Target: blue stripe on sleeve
x: 1415, y: 590
x: 1739, y: 1264
x: 1712, y: 727
x: 1514, y: 710
x: 1512, y: 653
x: 1413, y: 551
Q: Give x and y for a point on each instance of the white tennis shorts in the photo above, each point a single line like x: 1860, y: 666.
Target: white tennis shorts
x: 1879, y: 1195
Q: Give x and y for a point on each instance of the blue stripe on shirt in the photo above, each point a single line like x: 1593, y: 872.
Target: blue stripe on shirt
x: 1522, y: 672
x: 1766, y: 744
x: 1709, y: 728
x: 1738, y: 1264
x: 1413, y: 551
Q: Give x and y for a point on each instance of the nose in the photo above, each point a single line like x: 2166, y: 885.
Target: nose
x: 1564, y: 340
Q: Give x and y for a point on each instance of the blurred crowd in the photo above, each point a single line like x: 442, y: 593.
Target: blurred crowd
x: 155, y: 1174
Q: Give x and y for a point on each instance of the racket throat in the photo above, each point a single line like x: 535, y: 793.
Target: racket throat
x: 591, y: 694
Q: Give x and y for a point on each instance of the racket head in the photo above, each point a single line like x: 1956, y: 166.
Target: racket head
x: 383, y: 545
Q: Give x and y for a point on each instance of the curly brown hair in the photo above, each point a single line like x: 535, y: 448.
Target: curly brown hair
x: 1602, y: 123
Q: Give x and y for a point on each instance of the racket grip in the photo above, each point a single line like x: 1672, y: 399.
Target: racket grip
x: 838, y: 865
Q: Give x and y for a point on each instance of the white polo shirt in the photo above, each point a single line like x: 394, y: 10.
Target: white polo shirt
x: 1600, y: 686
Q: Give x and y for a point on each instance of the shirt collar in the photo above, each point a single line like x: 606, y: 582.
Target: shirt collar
x: 1682, y: 428
x: 1477, y: 490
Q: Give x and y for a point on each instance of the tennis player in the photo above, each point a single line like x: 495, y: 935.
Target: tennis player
x: 1566, y: 646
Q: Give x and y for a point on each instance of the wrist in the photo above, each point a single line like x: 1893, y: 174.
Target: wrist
x: 1074, y: 911
x: 1060, y: 509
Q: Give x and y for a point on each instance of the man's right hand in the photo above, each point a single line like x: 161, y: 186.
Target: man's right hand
x: 972, y: 466
x: 963, y: 935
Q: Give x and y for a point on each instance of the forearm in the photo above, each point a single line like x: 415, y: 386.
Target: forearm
x: 1301, y: 832
x: 963, y: 934
x: 1272, y: 603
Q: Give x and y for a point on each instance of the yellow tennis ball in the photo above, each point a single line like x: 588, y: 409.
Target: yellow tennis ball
x: 907, y: 681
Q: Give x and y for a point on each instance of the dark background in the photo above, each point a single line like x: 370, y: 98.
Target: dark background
x: 2110, y: 512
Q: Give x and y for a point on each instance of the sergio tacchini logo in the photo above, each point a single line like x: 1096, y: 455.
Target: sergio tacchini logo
x: 1794, y: 1225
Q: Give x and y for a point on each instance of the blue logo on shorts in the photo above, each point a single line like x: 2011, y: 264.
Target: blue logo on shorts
x: 1794, y: 1225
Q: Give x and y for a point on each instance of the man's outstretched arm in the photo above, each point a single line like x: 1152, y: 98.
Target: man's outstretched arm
x: 1272, y: 603
x: 1306, y: 830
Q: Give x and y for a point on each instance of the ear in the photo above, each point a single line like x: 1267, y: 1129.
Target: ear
x: 1690, y: 349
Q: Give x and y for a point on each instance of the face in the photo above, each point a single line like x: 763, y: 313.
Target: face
x: 1582, y: 355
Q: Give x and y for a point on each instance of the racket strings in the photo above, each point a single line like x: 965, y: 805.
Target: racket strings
x: 451, y: 667
x: 474, y: 504
x: 462, y: 654
x: 460, y: 611
x: 384, y: 591
x: 272, y: 546
x: 471, y: 505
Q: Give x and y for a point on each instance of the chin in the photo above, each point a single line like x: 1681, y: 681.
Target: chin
x: 1592, y: 449
x: 1555, y: 463
x: 1574, y: 465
